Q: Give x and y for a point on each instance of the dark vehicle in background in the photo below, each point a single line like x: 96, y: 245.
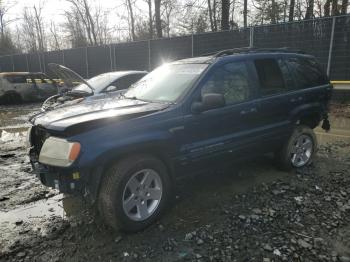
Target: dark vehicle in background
x: 101, y: 86
x: 17, y: 87
x: 125, y: 155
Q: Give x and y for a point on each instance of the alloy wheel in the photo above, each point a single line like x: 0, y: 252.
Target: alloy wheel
x: 142, y: 194
x: 301, y: 150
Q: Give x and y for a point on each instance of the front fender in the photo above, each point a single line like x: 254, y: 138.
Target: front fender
x: 97, y: 160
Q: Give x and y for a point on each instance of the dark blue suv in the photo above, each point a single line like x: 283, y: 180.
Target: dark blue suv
x: 125, y: 154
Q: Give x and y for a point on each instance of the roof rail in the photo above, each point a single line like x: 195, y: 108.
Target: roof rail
x: 254, y: 50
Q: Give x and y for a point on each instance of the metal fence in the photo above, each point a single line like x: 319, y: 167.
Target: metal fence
x: 326, y: 38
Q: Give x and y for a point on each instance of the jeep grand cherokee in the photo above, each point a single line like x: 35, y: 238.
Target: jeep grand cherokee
x: 181, y: 118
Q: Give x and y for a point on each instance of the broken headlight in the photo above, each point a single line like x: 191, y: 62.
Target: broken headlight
x: 59, y: 152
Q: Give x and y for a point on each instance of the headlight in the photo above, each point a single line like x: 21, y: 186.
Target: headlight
x: 59, y: 152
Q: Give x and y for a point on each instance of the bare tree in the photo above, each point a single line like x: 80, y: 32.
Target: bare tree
x: 132, y: 19
x: 83, y: 9
x: 75, y: 28
x: 310, y: 10
x: 33, y: 28
x: 327, y: 8
x: 157, y: 4
x: 39, y: 27
x: 169, y: 6
x: 225, y: 14
x: 344, y: 7
x: 54, y: 34
x: 150, y: 18
x: 291, y: 10
x: 4, y: 9
x: 245, y: 12
x: 210, y: 10
x: 335, y: 10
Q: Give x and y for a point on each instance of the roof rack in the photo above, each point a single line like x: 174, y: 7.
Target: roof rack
x: 254, y: 50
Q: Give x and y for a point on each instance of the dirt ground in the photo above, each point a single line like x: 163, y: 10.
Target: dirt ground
x: 250, y: 212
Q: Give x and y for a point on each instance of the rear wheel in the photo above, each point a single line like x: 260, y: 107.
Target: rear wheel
x: 134, y: 193
x: 12, y: 98
x: 299, y: 150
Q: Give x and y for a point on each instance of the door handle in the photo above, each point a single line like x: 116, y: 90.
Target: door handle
x: 297, y: 99
x: 249, y: 111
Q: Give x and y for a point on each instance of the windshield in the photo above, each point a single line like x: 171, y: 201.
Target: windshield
x: 98, y: 83
x: 166, y: 83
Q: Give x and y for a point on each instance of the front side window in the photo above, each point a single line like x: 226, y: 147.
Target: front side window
x: 270, y: 76
x: 307, y: 72
x: 167, y: 83
x: 230, y: 80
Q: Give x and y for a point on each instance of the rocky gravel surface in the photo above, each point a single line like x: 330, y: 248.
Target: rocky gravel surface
x: 301, y: 216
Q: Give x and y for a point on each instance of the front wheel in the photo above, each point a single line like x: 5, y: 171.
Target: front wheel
x: 299, y: 150
x: 134, y: 192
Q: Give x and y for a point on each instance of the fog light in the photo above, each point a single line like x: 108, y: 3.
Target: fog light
x: 76, y: 175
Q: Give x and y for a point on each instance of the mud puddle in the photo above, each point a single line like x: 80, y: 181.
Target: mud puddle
x: 59, y: 205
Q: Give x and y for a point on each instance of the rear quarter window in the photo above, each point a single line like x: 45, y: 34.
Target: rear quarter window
x: 307, y: 72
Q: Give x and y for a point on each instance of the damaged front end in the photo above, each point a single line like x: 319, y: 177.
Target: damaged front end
x: 64, y: 178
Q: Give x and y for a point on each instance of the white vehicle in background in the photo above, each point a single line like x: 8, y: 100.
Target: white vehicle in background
x: 18, y: 87
x: 105, y: 85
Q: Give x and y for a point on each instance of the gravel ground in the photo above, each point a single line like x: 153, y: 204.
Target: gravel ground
x: 249, y: 212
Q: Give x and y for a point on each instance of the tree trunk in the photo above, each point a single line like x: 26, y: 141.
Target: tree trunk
x: 150, y: 18
x: 310, y: 10
x: 344, y: 6
x: 158, y: 20
x: 335, y: 7
x: 214, y: 16
x: 90, y: 21
x: 291, y: 10
x: 225, y: 14
x: 245, y: 11
x: 132, y: 20
x: 211, y: 16
x: 327, y: 8
x: 273, y: 12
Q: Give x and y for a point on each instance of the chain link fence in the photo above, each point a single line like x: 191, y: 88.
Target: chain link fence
x: 326, y: 38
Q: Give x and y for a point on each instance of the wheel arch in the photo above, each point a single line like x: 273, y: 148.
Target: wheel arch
x: 309, y: 115
x: 158, y: 151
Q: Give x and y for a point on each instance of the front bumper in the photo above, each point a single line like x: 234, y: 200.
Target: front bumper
x: 66, y: 180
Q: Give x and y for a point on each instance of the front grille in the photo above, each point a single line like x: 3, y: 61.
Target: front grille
x: 38, y: 136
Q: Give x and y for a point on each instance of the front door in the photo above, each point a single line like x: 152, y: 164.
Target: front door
x: 214, y: 134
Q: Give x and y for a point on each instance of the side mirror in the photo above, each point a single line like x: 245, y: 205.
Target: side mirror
x: 209, y: 101
x: 111, y: 89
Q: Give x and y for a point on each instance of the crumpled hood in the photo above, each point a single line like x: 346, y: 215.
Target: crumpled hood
x: 90, y: 113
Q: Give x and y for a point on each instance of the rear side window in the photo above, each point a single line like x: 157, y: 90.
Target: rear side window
x: 17, y: 79
x: 307, y: 72
x: 270, y: 76
x: 126, y: 81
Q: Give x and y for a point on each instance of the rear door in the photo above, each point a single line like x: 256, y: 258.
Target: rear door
x: 273, y: 106
x: 45, y: 86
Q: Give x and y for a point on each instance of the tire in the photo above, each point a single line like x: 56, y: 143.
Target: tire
x: 11, y: 98
x: 299, y: 149
x: 118, y: 193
